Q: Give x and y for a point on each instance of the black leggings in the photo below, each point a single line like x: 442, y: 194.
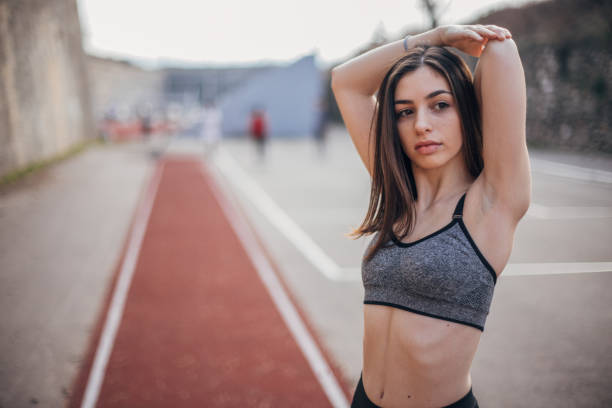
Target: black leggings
x: 361, y: 400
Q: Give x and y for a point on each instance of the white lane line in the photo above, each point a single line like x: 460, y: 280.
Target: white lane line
x: 115, y: 311
x: 278, y: 217
x: 570, y: 171
x: 324, y: 263
x: 557, y: 213
x: 552, y: 268
x: 525, y: 269
x: 292, y: 319
x: 346, y: 215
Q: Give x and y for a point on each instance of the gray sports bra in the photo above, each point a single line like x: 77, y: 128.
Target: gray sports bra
x: 443, y: 275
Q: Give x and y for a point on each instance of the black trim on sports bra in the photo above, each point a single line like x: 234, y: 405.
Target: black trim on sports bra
x: 433, y: 234
x: 377, y: 302
x: 475, y: 247
x: 457, y: 217
x: 458, y: 214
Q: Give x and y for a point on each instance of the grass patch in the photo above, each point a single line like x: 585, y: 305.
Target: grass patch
x: 18, y: 174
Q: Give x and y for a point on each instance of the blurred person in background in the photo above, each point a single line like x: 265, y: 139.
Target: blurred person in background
x: 258, y: 129
x: 108, y: 122
x: 145, y: 116
x: 447, y: 156
x: 146, y: 125
x: 212, y: 118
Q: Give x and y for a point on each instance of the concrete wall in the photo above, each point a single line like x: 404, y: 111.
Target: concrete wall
x: 120, y: 86
x: 44, y: 101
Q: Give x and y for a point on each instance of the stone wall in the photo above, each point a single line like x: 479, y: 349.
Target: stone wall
x: 566, y: 49
x: 569, y: 97
x: 44, y: 100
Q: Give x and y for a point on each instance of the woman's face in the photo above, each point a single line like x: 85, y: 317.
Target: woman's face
x: 427, y: 118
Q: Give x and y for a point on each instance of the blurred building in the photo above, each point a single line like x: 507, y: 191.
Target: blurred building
x: 188, y: 86
x: 289, y: 96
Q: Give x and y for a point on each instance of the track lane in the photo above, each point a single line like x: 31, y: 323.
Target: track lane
x: 198, y: 327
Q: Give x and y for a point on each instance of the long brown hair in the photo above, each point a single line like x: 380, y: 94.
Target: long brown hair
x: 393, y: 191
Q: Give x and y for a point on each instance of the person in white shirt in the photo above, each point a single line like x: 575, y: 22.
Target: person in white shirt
x: 212, y: 118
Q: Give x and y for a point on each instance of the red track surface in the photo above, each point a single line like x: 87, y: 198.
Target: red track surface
x: 199, y: 328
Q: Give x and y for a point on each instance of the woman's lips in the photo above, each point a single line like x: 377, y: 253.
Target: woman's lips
x: 428, y: 148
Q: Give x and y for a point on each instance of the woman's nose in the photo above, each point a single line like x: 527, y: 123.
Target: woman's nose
x: 422, y: 123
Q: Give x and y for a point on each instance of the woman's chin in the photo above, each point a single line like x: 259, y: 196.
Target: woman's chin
x: 433, y: 161
x: 429, y: 162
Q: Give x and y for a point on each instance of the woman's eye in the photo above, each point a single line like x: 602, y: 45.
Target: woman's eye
x: 405, y: 112
x: 442, y: 105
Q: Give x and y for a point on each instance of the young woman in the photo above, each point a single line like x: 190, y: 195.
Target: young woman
x: 450, y: 181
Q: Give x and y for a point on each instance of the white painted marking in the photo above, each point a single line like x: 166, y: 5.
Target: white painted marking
x: 346, y: 215
x: 325, y: 264
x: 524, y: 269
x: 528, y: 269
x: 266, y: 273
x: 537, y: 211
x: 557, y: 213
x: 115, y: 312
x: 570, y: 171
x: 278, y: 217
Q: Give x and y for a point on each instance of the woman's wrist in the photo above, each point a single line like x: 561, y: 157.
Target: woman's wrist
x: 431, y: 37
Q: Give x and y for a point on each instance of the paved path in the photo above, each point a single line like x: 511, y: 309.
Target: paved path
x: 61, y: 233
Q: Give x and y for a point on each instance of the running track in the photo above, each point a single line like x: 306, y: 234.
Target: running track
x: 191, y: 318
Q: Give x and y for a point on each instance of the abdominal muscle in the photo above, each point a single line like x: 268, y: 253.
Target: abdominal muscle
x: 411, y: 360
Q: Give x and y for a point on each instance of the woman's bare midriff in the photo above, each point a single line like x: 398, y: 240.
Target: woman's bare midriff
x: 412, y: 360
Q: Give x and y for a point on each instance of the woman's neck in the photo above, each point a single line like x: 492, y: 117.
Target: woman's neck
x: 441, y: 183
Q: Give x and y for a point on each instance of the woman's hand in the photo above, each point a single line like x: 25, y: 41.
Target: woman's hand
x: 471, y: 39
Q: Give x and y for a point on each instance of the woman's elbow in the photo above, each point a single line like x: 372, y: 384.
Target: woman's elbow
x: 335, y: 78
x: 506, y: 47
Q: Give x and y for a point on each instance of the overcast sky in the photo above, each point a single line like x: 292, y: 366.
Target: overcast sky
x: 232, y: 32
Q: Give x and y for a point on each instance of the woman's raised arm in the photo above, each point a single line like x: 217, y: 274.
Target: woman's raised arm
x: 355, y: 83
x: 500, y: 88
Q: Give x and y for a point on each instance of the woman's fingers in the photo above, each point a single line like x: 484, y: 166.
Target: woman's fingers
x: 486, y: 32
x: 461, y: 36
x: 501, y: 30
x: 502, y: 33
x: 475, y: 35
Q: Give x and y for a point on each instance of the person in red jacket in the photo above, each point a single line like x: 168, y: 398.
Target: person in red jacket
x: 259, y: 130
